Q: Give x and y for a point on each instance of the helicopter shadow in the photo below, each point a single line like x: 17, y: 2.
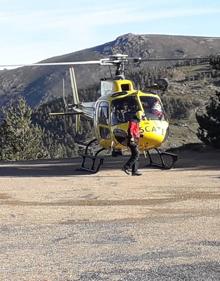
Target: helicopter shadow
x: 54, y: 168
x: 40, y: 168
x: 187, y: 159
x: 198, y: 158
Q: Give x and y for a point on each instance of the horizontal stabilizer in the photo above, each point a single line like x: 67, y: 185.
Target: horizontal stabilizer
x: 86, y: 109
x: 77, y: 112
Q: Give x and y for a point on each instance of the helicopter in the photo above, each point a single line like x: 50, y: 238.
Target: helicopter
x: 111, y: 112
x: 118, y: 102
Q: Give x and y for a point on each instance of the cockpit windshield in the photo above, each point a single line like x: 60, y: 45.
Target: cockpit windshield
x: 152, y: 107
x: 124, y: 109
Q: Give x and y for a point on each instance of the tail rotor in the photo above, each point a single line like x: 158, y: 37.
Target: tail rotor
x: 76, y: 101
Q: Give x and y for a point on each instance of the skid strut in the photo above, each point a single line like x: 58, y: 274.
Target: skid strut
x: 163, y: 159
x: 91, y: 163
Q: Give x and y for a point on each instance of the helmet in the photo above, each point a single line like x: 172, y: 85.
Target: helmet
x: 139, y: 115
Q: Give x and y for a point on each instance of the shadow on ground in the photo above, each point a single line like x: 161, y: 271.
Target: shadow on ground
x: 187, y: 272
x: 187, y: 159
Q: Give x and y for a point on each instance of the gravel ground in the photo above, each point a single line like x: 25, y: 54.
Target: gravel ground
x: 57, y: 223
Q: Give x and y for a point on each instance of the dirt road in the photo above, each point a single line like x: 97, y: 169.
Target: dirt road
x: 57, y: 223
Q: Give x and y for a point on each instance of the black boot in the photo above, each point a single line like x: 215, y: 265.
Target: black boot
x: 126, y: 170
x: 137, y: 173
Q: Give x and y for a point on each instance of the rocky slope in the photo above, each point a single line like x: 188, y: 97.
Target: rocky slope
x: 40, y: 84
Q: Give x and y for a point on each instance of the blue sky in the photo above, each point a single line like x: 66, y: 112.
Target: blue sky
x: 33, y: 30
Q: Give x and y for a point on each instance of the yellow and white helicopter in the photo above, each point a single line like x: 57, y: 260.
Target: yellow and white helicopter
x: 119, y: 101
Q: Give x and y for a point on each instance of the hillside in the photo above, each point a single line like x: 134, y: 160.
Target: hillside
x: 41, y: 84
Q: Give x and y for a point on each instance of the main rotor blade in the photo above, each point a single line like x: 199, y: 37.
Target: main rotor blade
x: 174, y: 59
x: 52, y: 63
x: 106, y: 61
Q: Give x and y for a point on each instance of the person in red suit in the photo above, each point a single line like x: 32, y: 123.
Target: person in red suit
x: 133, y: 138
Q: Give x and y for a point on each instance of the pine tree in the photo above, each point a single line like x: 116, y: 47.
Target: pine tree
x: 20, y: 139
x: 209, y: 122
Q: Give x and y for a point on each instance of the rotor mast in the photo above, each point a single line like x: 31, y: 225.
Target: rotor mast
x: 118, y: 61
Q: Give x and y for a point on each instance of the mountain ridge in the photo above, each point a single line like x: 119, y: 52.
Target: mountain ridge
x: 39, y: 85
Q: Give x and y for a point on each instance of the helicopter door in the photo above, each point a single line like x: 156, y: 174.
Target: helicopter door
x: 103, y: 122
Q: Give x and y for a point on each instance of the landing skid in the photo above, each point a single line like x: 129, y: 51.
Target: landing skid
x: 160, y: 159
x: 91, y: 163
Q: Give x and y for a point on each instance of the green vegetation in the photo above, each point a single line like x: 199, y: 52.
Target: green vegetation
x: 177, y: 107
x: 209, y: 122
x: 60, y: 136
x: 27, y: 134
x: 20, y: 139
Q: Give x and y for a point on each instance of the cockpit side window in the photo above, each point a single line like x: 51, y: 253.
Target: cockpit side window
x: 103, y: 113
x: 153, y: 108
x: 123, y: 109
